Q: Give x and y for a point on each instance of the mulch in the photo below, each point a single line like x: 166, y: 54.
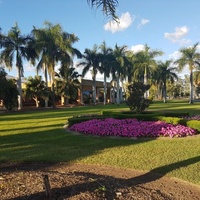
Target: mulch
x: 25, y: 181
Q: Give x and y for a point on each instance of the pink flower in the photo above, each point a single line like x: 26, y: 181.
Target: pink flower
x: 131, y: 128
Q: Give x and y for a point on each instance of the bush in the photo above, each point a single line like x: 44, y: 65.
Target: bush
x: 83, y: 118
x: 194, y: 124
x: 136, y: 100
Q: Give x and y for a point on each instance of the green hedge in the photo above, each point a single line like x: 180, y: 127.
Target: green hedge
x: 193, y: 124
x: 75, y: 120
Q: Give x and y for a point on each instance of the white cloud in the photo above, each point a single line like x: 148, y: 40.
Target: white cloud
x: 137, y: 48
x: 124, y: 22
x: 28, y: 68
x: 143, y: 22
x: 175, y: 55
x: 177, y: 36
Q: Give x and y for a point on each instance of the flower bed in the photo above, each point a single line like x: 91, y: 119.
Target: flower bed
x: 131, y: 128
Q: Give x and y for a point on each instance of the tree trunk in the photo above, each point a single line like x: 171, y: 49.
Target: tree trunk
x: 118, y: 102
x: 105, y: 90
x: 164, y: 92
x: 64, y: 100
x: 45, y: 75
x: 19, y: 88
x: 46, y: 101
x: 191, y: 87
x: 94, y: 90
x: 145, y: 82
x: 36, y: 101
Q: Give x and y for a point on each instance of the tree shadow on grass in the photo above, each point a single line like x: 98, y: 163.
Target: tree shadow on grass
x: 53, y: 146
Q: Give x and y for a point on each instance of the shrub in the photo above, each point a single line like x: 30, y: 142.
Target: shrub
x: 136, y: 100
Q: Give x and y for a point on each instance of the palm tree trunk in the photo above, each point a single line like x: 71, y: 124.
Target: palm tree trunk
x: 45, y: 75
x: 191, y: 87
x: 19, y: 88
x: 105, y: 90
x: 94, y: 90
x: 118, y: 102
x: 145, y: 82
x: 46, y: 81
x: 164, y: 92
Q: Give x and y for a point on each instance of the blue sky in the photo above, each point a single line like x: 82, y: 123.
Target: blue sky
x: 162, y: 25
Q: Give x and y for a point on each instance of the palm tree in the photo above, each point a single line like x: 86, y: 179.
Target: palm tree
x: 118, y: 69
x: 108, y: 6
x: 130, y: 66
x: 17, y: 47
x: 52, y: 42
x: 105, y: 59
x: 191, y: 58
x: 91, y: 61
x: 145, y: 63
x: 165, y: 72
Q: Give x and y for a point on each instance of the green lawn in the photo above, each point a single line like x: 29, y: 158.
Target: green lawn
x: 39, y: 136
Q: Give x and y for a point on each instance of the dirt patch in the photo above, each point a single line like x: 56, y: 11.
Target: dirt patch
x: 81, y: 181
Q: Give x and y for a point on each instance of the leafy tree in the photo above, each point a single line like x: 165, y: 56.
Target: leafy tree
x: 10, y: 95
x: 9, y: 92
x: 67, y: 84
x: 2, y: 81
x: 36, y: 89
x: 136, y: 100
x: 189, y: 57
x: 16, y: 48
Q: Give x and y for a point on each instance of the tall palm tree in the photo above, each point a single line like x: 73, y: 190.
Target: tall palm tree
x: 145, y: 63
x: 16, y: 48
x: 52, y: 42
x: 118, y: 66
x: 165, y: 72
x: 189, y: 57
x: 105, y: 59
x: 91, y: 61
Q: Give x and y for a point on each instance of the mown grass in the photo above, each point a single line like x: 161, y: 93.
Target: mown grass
x: 39, y: 136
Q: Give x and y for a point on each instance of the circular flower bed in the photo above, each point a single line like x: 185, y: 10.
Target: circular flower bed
x: 131, y: 128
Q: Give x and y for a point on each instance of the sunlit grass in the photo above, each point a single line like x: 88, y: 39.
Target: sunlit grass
x: 39, y: 136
